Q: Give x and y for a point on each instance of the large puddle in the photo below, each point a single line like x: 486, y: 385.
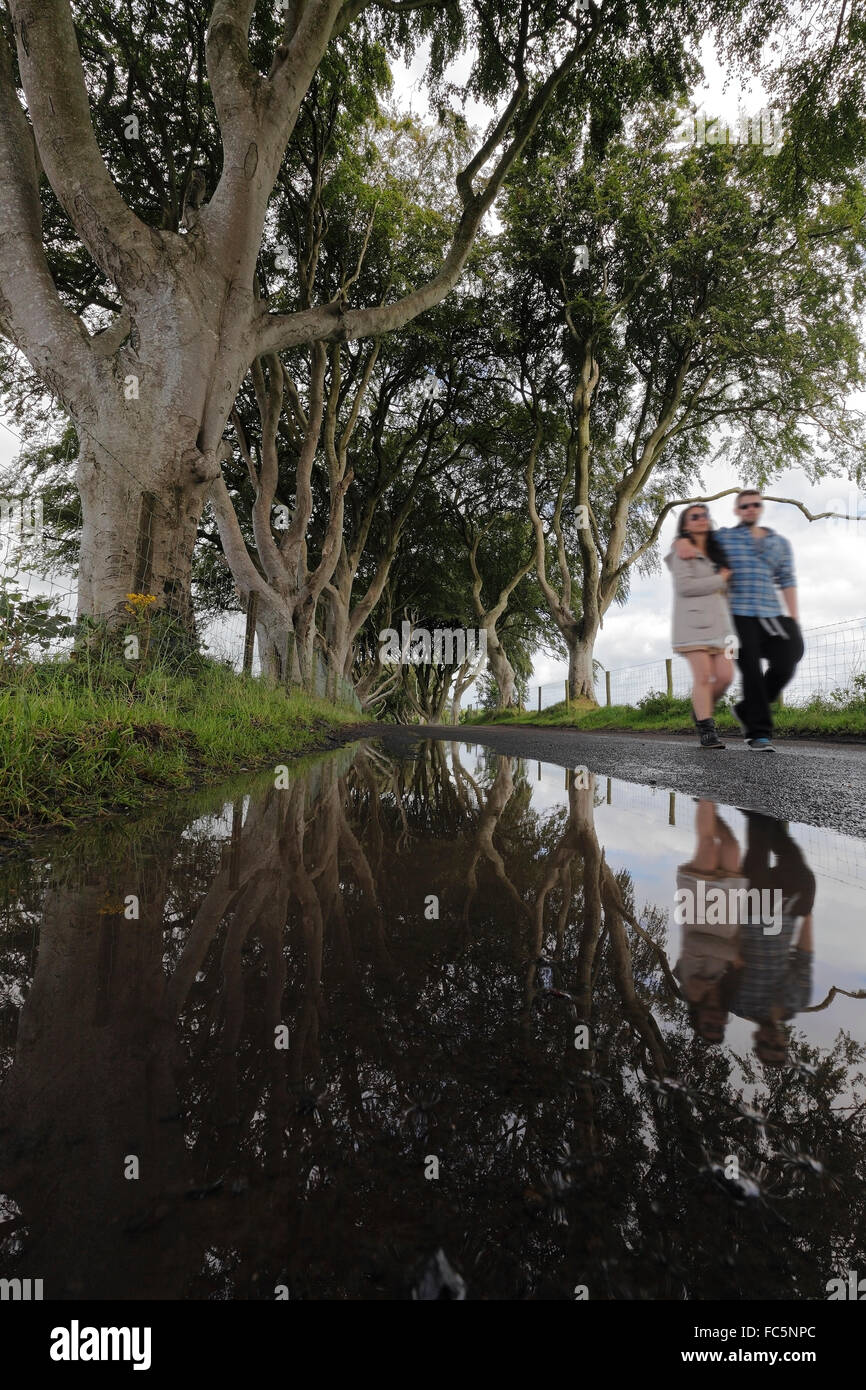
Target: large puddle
x: 466, y: 1024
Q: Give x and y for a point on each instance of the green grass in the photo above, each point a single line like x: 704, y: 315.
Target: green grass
x: 842, y: 716
x: 82, y: 739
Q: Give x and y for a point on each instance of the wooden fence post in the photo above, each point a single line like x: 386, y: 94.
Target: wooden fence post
x: 249, y: 635
x: 566, y: 694
x: 607, y: 686
x: 669, y: 676
x: 539, y: 699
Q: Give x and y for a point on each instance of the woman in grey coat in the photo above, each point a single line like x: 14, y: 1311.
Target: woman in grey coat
x: 703, y: 629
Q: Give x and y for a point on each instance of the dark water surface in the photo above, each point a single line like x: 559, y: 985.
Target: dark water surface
x: 462, y: 1004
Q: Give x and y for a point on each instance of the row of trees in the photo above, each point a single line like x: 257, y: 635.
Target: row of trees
x: 495, y: 440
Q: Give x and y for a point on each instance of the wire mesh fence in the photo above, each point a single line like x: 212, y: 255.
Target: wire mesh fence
x: 224, y: 639
x: 230, y: 639
x: 835, y: 655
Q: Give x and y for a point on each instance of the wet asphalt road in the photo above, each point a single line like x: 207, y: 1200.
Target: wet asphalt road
x: 815, y: 783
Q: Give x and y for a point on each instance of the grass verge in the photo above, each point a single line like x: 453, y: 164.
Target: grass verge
x: 78, y: 741
x: 819, y: 719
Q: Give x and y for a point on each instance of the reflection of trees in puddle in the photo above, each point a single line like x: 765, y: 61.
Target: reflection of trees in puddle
x: 407, y: 1038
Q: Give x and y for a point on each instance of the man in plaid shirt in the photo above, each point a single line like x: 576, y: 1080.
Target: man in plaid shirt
x: 762, y: 565
x: 775, y: 981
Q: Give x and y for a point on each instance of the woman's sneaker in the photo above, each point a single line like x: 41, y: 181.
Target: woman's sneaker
x: 760, y: 745
x: 709, y: 736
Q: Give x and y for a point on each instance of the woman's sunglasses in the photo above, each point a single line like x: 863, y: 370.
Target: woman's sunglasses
x: 696, y: 516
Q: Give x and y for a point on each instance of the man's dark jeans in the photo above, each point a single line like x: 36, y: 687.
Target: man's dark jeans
x: 761, y: 687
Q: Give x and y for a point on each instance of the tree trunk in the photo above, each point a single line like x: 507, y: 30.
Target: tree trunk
x: 440, y: 702
x: 342, y: 646
x: 503, y: 671
x: 95, y: 1060
x: 273, y: 625
x: 140, y: 518
x: 278, y: 629
x: 581, y: 685
x: 305, y: 633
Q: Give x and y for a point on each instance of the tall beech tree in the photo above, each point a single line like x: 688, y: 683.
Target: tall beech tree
x: 489, y: 514
x: 342, y: 440
x: 150, y: 390
x: 427, y: 588
x: 352, y: 435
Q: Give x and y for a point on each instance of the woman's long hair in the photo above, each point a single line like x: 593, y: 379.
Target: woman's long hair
x: 715, y: 553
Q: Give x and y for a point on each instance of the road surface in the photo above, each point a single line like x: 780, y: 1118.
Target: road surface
x: 816, y: 783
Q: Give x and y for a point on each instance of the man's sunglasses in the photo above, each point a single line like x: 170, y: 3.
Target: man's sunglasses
x: 750, y: 506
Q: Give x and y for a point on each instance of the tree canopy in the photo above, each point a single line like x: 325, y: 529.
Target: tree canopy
x: 235, y: 273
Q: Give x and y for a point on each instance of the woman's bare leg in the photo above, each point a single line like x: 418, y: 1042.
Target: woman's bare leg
x: 723, y: 674
x: 702, y: 687
x: 706, y: 856
x: 730, y: 854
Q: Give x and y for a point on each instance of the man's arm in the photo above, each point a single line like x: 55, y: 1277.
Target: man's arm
x: 686, y: 550
x: 786, y: 580
x: 804, y: 941
x: 790, y: 597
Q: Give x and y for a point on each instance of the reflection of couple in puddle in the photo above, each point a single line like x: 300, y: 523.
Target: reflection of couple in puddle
x: 738, y: 958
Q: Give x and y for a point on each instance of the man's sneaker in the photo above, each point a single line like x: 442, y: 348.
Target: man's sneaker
x: 709, y: 737
x: 760, y: 745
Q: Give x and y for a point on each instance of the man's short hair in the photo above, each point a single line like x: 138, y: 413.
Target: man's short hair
x: 748, y: 492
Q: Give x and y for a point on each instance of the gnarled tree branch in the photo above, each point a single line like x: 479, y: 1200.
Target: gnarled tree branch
x: 126, y: 250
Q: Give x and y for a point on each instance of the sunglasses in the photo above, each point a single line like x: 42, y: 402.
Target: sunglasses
x: 696, y: 516
x: 750, y: 506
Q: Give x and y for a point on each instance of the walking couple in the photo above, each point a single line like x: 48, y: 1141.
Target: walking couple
x: 727, y: 582
x: 737, y: 957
